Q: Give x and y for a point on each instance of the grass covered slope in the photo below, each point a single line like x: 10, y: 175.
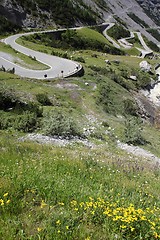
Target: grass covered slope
x: 79, y: 39
x: 87, y: 189
x: 75, y: 193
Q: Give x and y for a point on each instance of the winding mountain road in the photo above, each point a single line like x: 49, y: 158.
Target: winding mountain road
x: 146, y: 49
x: 110, y: 25
x: 58, y: 67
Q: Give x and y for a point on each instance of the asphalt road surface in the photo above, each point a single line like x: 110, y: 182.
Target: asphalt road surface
x: 58, y: 67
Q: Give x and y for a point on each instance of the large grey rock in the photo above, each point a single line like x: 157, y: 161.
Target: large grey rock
x: 145, y: 66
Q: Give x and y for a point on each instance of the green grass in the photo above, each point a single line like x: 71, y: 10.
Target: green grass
x: 132, y: 51
x: 77, y: 192
x: 69, y: 193
x: 92, y: 35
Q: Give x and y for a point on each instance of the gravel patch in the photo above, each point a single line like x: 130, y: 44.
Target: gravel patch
x: 57, y: 141
x: 137, y: 151
x: 68, y: 86
x: 62, y: 142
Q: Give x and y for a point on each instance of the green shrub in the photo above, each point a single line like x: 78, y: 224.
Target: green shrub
x: 101, y: 70
x: 121, y: 81
x: 153, y: 46
x: 130, y: 107
x: 143, y: 79
x: 63, y: 13
x: 79, y: 59
x: 70, y: 39
x: 8, y: 98
x: 32, y: 108
x: 118, y: 32
x: 7, y: 26
x: 43, y: 99
x: 133, y: 131
x: 17, y: 114
x: 59, y: 123
x: 105, y: 97
x: 27, y: 122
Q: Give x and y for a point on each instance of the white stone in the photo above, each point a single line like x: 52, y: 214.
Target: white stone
x: 145, y: 66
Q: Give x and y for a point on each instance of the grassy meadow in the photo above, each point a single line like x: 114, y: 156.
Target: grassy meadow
x: 78, y: 191
x: 73, y: 192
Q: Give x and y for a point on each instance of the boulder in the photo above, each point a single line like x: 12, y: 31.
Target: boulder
x: 134, y: 78
x: 108, y: 62
x: 145, y: 66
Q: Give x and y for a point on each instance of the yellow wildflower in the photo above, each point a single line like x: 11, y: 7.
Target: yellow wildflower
x: 43, y: 204
x: 123, y: 226
x: 8, y: 201
x: 117, y: 218
x: 73, y: 202
x: 39, y: 229
x: 81, y: 204
x: 1, y: 202
x: 132, y: 229
x: 91, y: 199
x: 143, y: 218
x: 61, y: 203
x: 58, y: 222
x: 156, y: 235
x: 5, y: 195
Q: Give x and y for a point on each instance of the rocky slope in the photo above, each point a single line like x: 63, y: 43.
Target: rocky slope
x: 135, y: 15
x: 152, y: 8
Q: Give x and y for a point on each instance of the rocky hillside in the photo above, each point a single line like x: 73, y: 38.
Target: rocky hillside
x: 135, y: 15
x: 152, y: 8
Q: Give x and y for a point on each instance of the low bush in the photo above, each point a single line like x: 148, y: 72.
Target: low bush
x: 101, y: 70
x: 71, y: 39
x: 130, y: 107
x: 105, y: 97
x: 27, y: 122
x: 133, y: 131
x: 63, y: 55
x: 17, y: 114
x: 7, y: 26
x: 8, y: 98
x: 59, y: 123
x: 118, y: 32
x: 79, y: 59
x: 43, y: 99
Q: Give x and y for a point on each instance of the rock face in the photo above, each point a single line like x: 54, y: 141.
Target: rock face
x: 18, y: 15
x: 12, y: 12
x: 103, y: 10
x: 152, y: 8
